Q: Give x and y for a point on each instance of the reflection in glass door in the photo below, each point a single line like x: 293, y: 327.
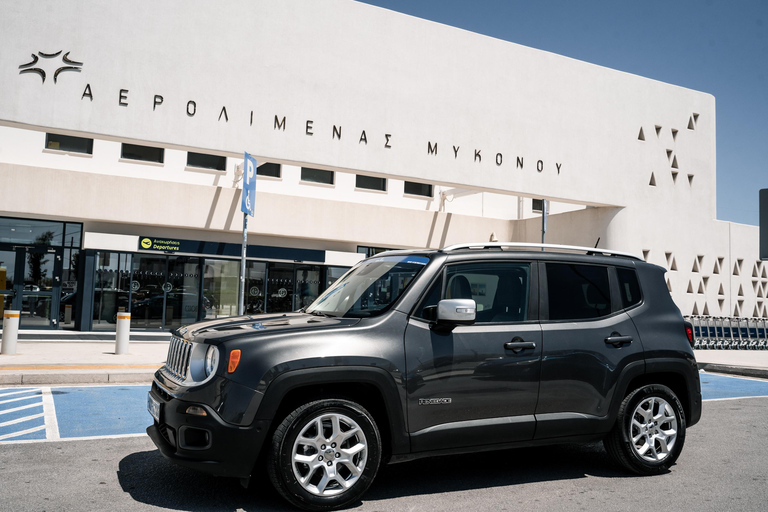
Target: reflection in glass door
x: 165, y: 291
x: 7, y: 273
x: 220, y: 288
x: 307, y: 285
x: 42, y: 284
x: 111, y: 292
x: 30, y: 282
x: 280, y: 288
x: 182, y: 291
x: 148, y: 298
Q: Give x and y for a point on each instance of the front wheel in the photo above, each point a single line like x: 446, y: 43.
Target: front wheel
x: 650, y: 431
x: 325, y: 454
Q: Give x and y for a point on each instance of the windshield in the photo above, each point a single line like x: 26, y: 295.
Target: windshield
x: 369, y: 288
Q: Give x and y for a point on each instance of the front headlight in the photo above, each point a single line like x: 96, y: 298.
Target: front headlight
x: 211, y: 360
x: 191, y: 363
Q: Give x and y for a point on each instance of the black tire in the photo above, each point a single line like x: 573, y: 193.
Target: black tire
x: 641, y: 441
x: 332, y: 467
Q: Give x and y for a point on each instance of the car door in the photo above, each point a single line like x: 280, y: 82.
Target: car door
x: 588, y: 341
x: 477, y: 384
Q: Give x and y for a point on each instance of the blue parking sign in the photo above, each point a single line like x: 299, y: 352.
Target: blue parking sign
x: 247, y: 205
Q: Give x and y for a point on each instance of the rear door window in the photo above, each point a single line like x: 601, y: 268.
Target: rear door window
x: 577, y: 292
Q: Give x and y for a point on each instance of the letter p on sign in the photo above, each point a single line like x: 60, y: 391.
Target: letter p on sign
x: 247, y: 205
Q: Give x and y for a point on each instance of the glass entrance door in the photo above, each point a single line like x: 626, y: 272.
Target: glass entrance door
x: 165, y: 291
x: 7, y: 280
x: 30, y: 282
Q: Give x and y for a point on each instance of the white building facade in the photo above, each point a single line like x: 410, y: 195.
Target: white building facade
x: 121, y: 132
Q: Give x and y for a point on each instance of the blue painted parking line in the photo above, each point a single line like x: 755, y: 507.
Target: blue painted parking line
x: 101, y: 410
x: 723, y: 387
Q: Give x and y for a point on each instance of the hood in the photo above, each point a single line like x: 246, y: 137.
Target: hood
x: 257, y: 325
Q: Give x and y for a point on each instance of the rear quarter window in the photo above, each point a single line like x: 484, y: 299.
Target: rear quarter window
x: 629, y: 287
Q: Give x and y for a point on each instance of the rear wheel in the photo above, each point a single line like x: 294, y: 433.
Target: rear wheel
x: 650, y: 431
x: 325, y: 454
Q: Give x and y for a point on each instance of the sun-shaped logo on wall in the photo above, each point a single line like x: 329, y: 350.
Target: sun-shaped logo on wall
x: 36, y: 65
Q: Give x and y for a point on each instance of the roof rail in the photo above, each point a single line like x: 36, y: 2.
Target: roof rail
x: 522, y: 245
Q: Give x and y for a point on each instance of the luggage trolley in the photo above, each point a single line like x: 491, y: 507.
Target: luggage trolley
x: 762, y: 334
x: 752, y: 330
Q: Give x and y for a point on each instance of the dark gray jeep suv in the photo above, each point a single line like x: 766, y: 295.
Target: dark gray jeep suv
x: 418, y: 353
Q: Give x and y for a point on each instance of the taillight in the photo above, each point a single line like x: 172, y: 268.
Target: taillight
x: 689, y: 333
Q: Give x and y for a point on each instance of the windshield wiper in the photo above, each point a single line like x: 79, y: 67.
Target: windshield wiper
x: 321, y: 313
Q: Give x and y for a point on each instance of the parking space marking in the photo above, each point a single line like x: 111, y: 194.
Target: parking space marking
x: 727, y: 387
x: 17, y: 419
x: 51, y: 422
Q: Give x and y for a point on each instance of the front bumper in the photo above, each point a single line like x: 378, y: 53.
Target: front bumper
x: 205, y: 443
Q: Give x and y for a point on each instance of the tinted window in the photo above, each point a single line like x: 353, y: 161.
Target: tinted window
x: 69, y: 143
x: 418, y: 189
x: 144, y: 153
x: 630, y: 288
x: 316, y: 175
x: 500, y: 291
x: 577, y: 292
x: 370, y: 183
x: 268, y: 169
x: 218, y: 163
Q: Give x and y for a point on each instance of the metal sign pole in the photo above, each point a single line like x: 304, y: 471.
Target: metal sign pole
x: 241, y: 291
x: 247, y: 206
x: 543, y: 220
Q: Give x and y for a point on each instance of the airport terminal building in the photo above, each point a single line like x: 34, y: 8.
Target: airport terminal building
x: 122, y: 133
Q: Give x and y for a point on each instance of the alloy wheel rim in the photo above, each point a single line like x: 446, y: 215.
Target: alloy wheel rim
x: 653, y: 429
x: 329, y: 454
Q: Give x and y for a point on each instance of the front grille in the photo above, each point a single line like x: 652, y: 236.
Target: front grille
x: 178, y: 358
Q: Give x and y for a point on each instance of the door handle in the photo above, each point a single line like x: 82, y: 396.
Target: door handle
x: 617, y: 340
x: 517, y: 345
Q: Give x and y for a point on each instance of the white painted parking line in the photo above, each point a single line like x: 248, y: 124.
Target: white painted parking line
x: 87, y: 438
x: 3, y: 394
x: 23, y: 432
x: 29, y: 406
x: 49, y: 409
x: 19, y: 399
x: 21, y: 420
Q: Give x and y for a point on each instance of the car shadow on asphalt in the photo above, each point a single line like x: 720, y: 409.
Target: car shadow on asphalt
x: 152, y: 480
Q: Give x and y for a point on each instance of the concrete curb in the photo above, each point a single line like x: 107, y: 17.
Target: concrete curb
x: 742, y: 371
x: 48, y: 378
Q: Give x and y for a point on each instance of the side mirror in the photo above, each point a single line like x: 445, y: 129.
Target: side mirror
x: 452, y: 312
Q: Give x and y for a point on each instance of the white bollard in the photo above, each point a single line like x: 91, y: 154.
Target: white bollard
x: 123, y: 333
x: 10, y: 331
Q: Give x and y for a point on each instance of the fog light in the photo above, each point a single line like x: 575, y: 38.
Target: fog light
x: 196, y: 410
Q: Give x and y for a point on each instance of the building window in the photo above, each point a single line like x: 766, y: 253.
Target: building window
x: 270, y: 170
x: 371, y: 251
x: 68, y: 143
x: 537, y: 205
x: 316, y: 175
x: 371, y: 183
x: 143, y: 153
x: 217, y: 163
x: 418, y: 189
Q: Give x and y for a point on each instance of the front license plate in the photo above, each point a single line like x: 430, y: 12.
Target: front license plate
x: 153, y: 406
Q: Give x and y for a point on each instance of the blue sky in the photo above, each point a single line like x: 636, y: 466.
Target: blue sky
x: 715, y: 46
